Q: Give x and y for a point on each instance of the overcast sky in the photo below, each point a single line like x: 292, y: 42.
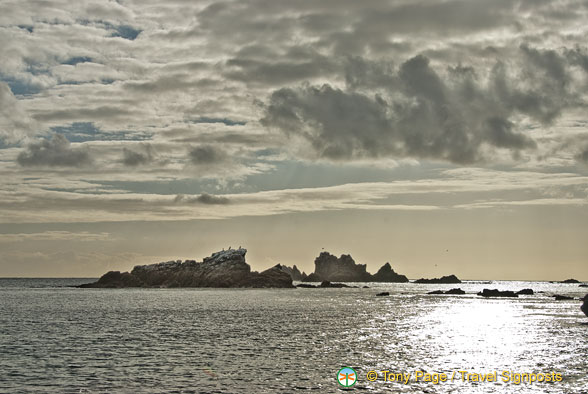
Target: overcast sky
x: 441, y: 136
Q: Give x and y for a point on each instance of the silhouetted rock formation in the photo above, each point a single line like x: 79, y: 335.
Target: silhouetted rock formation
x: 387, y: 274
x: 294, y: 272
x: 444, y: 279
x: 457, y: 291
x: 570, y: 281
x: 584, y: 306
x: 497, y: 293
x: 223, y: 269
x: 526, y: 292
x: 559, y: 297
x: 344, y: 269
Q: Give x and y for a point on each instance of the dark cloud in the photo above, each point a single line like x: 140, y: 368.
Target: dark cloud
x: 419, y: 111
x: 206, y: 155
x: 138, y: 156
x: 203, y: 198
x: 56, y: 152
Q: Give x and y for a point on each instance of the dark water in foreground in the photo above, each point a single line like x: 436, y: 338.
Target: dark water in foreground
x: 68, y: 340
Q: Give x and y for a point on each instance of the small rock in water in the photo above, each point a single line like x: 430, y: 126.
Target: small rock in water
x: 570, y: 281
x: 526, y: 292
x: 584, y: 306
x: 559, y: 297
x: 497, y: 293
x: 383, y: 294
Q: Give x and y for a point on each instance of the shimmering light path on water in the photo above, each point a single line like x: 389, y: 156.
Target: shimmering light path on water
x: 68, y: 340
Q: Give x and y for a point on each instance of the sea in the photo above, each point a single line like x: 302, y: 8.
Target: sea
x: 55, y: 338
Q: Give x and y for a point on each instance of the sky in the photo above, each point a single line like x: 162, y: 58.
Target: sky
x: 444, y: 137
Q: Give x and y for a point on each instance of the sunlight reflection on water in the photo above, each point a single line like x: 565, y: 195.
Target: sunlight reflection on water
x: 58, y: 340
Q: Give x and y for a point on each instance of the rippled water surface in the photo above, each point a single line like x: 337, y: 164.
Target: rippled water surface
x: 56, y: 339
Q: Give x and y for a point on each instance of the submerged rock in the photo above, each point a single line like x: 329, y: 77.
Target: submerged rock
x: 559, y: 297
x: 226, y: 268
x: 326, y: 283
x: 497, y: 293
x: 526, y: 292
x: 383, y: 294
x: 443, y: 279
x: 435, y: 292
x: 456, y: 291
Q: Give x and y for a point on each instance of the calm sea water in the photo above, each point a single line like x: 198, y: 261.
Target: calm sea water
x: 56, y: 339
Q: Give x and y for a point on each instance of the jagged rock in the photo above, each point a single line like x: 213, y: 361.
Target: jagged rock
x: 344, y: 269
x: 570, y: 281
x: 526, y: 292
x: 559, y: 297
x: 457, y: 291
x: 443, y: 279
x: 383, y: 294
x: 312, y: 278
x: 226, y: 268
x: 387, y: 274
x: 294, y: 272
x: 497, y: 293
x: 584, y: 306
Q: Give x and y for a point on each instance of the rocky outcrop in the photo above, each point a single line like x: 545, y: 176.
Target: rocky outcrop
x: 344, y: 269
x: 570, y: 281
x: 444, y: 279
x: 387, y: 274
x: 226, y: 268
x: 497, y: 293
x: 294, y: 272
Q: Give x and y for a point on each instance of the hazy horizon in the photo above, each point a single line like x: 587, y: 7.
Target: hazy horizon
x: 442, y: 137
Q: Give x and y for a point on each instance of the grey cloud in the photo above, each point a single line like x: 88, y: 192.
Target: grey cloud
x: 137, y: 156
x: 417, y: 111
x: 206, y: 155
x: 203, y: 198
x: 56, y: 152
x: 83, y: 114
x: 272, y: 72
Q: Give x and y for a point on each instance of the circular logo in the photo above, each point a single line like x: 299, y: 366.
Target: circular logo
x: 346, y: 377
